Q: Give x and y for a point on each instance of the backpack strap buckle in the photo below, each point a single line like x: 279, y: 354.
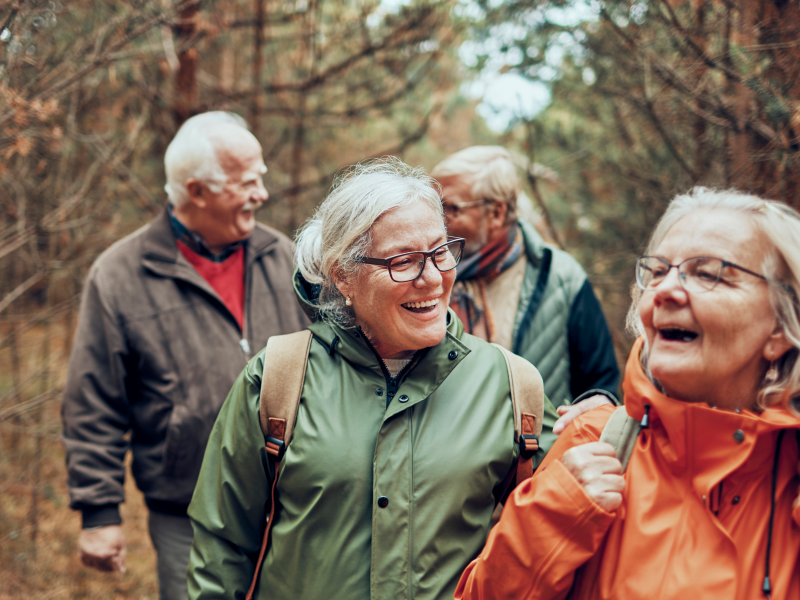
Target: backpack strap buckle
x: 276, y: 435
x: 275, y: 447
x: 528, y: 445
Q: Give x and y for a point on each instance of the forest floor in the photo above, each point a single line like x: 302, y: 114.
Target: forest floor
x: 49, y: 568
x: 38, y: 539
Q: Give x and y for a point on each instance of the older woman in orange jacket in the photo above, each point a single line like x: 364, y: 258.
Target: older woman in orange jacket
x: 708, y: 505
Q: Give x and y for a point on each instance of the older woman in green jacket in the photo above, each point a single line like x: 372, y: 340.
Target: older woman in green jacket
x: 404, y: 433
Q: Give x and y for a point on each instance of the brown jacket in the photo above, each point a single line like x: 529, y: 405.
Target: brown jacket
x: 155, y: 355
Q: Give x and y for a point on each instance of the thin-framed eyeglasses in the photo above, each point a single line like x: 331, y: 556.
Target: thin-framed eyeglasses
x: 410, y: 265
x: 453, y: 209
x: 696, y: 275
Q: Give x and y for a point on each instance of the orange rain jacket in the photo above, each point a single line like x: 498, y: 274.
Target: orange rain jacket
x: 694, y: 520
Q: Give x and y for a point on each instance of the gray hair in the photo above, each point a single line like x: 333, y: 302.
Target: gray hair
x: 191, y: 155
x: 340, y: 230
x: 781, y: 225
x: 492, y: 173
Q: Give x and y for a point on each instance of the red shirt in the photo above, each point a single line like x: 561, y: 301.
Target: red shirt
x: 227, y: 278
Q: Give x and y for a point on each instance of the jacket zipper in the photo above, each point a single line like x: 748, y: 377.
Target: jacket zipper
x: 244, y: 344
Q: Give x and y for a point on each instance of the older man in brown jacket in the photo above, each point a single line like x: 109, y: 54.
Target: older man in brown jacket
x: 169, y: 317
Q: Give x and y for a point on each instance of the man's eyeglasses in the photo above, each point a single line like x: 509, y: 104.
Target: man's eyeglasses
x: 697, y: 275
x: 410, y: 265
x: 453, y: 209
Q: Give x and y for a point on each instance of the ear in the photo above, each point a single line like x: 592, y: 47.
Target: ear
x: 341, y: 282
x: 497, y: 218
x: 777, y: 345
x: 195, y: 191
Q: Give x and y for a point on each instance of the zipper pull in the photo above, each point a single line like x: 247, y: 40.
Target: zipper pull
x: 245, y: 346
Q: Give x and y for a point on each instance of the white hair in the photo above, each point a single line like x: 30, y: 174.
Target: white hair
x: 491, y: 171
x: 340, y: 230
x: 780, y: 224
x: 191, y: 155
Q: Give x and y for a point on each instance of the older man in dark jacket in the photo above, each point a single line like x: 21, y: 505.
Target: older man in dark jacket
x: 169, y: 317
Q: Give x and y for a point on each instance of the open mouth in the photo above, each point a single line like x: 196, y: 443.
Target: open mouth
x: 675, y: 334
x: 421, y: 307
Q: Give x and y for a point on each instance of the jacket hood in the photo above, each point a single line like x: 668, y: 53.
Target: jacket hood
x: 697, y: 433
x: 307, y: 295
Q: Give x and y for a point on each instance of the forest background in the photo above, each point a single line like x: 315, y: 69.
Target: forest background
x: 642, y: 100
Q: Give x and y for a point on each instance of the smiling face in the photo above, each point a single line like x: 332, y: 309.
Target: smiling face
x: 401, y: 318
x: 714, y: 346
x: 227, y: 217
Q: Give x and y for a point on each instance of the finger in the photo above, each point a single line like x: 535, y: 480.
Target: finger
x: 611, y: 483
x: 562, y: 409
x: 596, y: 469
x: 569, y: 415
x: 600, y: 448
x: 609, y: 501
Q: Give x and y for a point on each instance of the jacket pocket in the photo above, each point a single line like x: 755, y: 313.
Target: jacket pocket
x: 185, y: 444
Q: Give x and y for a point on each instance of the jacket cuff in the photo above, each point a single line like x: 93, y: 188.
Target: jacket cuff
x: 100, y: 516
x: 597, y: 392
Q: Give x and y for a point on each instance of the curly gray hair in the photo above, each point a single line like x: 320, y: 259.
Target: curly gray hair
x: 781, y: 225
x: 340, y: 230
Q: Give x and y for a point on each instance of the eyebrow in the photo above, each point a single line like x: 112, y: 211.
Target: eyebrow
x: 401, y: 248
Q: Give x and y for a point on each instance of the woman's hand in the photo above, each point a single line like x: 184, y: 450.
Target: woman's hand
x: 597, y: 469
x: 572, y: 412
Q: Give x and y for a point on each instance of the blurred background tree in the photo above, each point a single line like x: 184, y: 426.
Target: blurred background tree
x: 91, y: 93
x: 641, y: 100
x: 648, y: 99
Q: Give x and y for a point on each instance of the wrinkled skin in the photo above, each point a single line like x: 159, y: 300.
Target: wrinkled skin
x: 478, y: 225
x: 736, y: 334
x: 103, y: 548
x: 227, y: 217
x: 596, y: 468
x: 377, y: 301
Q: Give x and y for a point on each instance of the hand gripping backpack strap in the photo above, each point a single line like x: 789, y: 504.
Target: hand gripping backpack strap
x: 285, y: 362
x: 527, y: 398
x: 621, y: 432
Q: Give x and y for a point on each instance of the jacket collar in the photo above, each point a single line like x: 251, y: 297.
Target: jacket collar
x: 161, y: 255
x: 429, y: 368
x: 534, y: 244
x: 698, y: 437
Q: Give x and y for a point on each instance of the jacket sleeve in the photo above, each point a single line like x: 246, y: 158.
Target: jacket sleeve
x: 95, y: 411
x: 549, y: 528
x: 593, y: 363
x: 228, y: 509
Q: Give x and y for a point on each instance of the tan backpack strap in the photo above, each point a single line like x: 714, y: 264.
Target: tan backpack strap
x: 285, y: 362
x: 527, y: 398
x: 621, y: 431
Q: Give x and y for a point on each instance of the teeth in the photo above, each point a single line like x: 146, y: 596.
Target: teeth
x: 425, y: 304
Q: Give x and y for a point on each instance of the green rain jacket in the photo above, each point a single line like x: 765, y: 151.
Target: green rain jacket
x: 433, y: 445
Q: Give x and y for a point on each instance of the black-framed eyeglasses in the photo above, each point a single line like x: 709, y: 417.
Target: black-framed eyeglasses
x: 410, y: 265
x: 697, y: 275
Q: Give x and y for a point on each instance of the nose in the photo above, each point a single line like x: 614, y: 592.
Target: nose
x: 430, y: 276
x: 670, y: 289
x: 261, y: 192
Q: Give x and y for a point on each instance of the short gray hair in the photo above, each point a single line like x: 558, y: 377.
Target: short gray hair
x: 340, y: 230
x: 191, y: 155
x: 781, y: 226
x: 492, y: 173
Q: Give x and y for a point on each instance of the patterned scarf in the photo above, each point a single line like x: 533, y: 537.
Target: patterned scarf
x: 468, y: 298
x: 196, y: 243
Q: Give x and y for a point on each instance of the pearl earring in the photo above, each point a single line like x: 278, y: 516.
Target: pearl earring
x: 347, y: 302
x: 772, y: 375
